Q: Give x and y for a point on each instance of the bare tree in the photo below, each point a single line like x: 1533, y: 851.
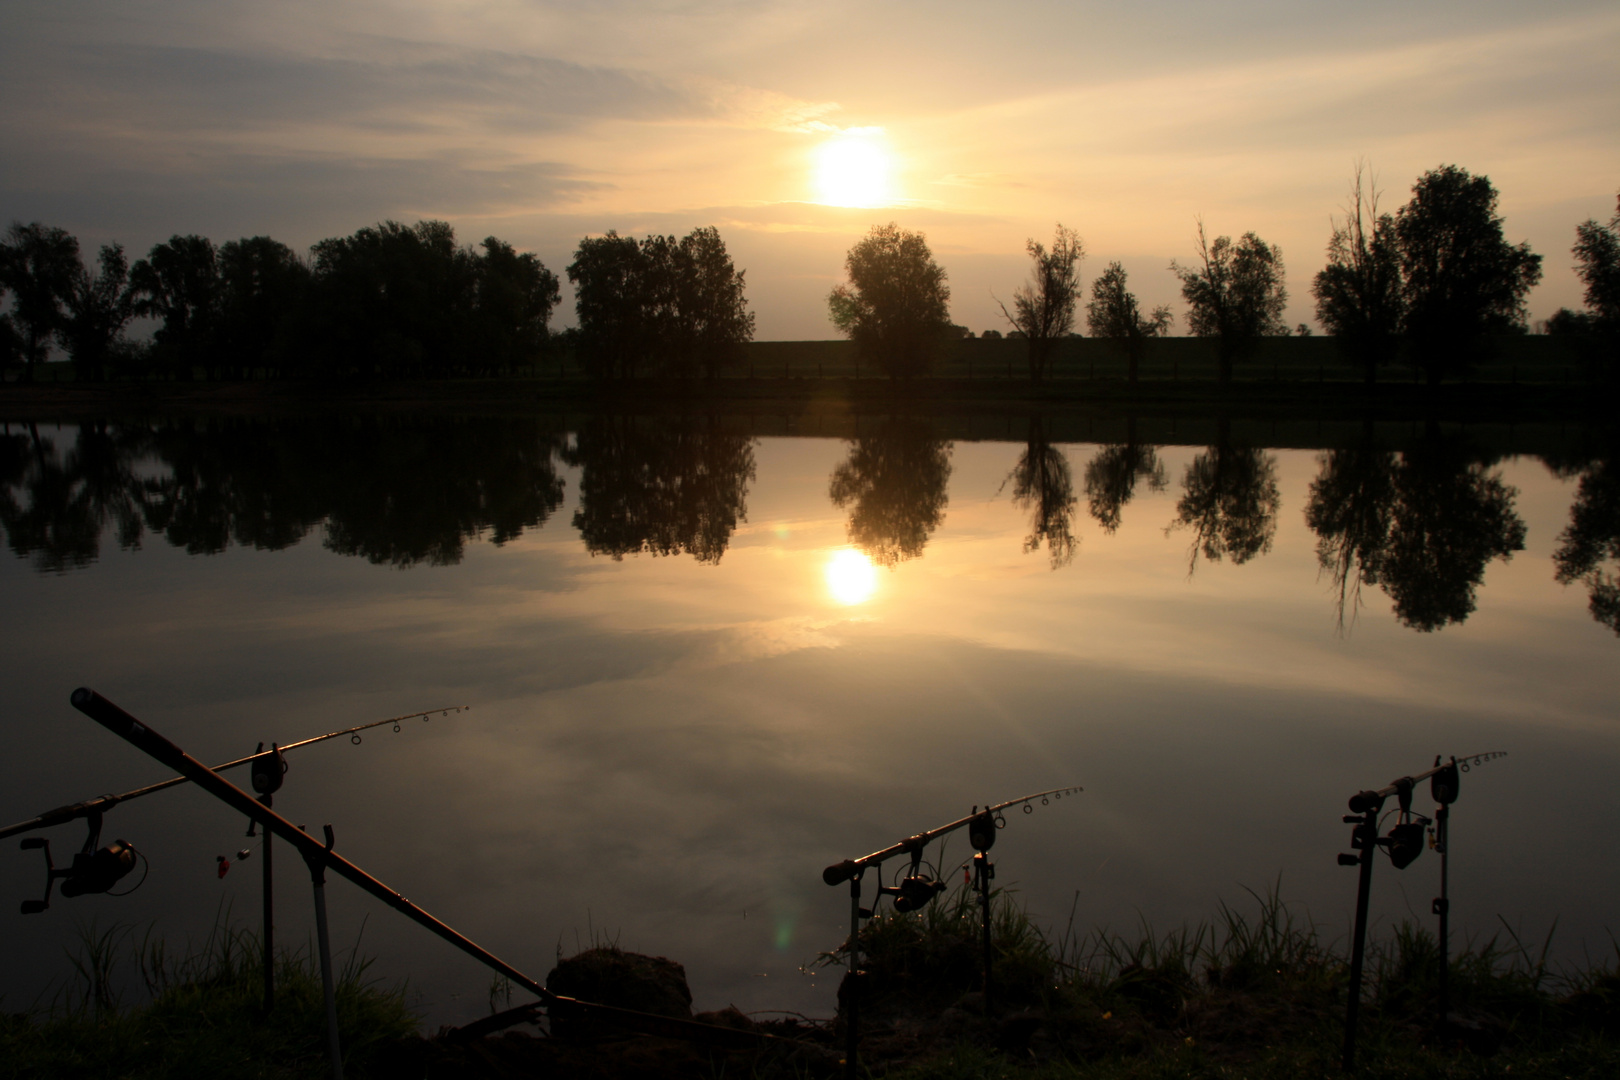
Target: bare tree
x: 1043, y: 308
x: 1358, y: 294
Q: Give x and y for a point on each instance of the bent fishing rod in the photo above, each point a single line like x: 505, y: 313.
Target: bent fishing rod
x: 320, y: 857
x: 102, y: 803
x: 916, y: 890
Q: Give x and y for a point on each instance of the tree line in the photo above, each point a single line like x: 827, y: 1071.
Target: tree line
x: 1428, y: 284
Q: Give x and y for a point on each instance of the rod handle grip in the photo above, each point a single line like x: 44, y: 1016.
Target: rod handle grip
x: 838, y: 873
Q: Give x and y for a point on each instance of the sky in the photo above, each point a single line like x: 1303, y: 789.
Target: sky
x: 980, y: 125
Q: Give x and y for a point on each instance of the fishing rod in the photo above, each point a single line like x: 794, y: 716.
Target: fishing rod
x: 1403, y: 844
x: 101, y: 804
x: 916, y: 890
x: 320, y: 857
x: 96, y: 869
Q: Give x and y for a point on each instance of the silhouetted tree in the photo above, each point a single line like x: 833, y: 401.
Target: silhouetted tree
x: 895, y: 483
x: 1113, y: 312
x: 1229, y: 500
x: 664, y: 487
x: 1235, y: 295
x: 895, y: 305
x: 395, y: 300
x: 710, y: 321
x: 1589, y: 547
x: 178, y: 282
x: 1351, y: 509
x: 37, y: 265
x: 1043, y: 308
x: 263, y: 286
x: 516, y: 294
x: 1597, y: 263
x: 1358, y: 294
x: 1463, y: 280
x: 1043, y: 484
x: 611, y: 283
x: 678, y: 305
x: 1112, y: 475
x: 98, y: 306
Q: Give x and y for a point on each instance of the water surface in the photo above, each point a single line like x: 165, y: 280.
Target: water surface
x: 705, y: 663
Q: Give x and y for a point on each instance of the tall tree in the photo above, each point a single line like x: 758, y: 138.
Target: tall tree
x: 1462, y: 279
x: 1043, y: 308
x: 178, y: 282
x: 263, y: 286
x: 711, y: 318
x: 516, y: 294
x: 37, y: 265
x: 396, y: 300
x: 895, y: 304
x: 1358, y: 294
x: 1235, y: 294
x: 99, y: 306
x: 676, y: 304
x: 1597, y: 263
x: 1113, y: 312
x: 895, y: 484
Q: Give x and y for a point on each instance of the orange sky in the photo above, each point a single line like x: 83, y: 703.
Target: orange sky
x: 541, y: 122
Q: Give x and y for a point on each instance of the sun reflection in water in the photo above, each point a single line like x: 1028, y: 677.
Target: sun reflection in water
x: 850, y: 577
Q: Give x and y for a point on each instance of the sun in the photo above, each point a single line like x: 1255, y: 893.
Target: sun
x: 851, y: 577
x: 853, y: 168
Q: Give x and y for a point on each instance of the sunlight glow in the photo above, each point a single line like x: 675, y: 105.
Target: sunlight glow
x: 851, y: 578
x: 852, y: 169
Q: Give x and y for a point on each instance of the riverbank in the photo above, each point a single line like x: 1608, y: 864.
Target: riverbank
x: 1255, y: 993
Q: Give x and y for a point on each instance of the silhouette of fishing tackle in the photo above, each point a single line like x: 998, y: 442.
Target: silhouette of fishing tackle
x: 96, y: 871
x: 1403, y: 844
x: 915, y: 890
x: 320, y: 857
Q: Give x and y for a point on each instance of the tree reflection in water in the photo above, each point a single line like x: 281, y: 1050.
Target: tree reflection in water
x: 1589, y: 548
x: 894, y: 481
x: 1043, y: 484
x: 1349, y: 508
x: 1229, y: 500
x: 1423, y: 525
x: 661, y: 485
x: 395, y: 494
x: 1112, y: 475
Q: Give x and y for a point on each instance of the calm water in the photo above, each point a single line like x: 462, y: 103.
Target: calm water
x: 689, y: 696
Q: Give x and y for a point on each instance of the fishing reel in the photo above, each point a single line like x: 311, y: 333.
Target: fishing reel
x: 1405, y: 840
x: 93, y: 870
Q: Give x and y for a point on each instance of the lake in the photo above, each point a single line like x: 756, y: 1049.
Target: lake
x: 708, y: 656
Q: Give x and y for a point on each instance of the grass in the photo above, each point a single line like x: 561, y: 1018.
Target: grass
x: 1255, y: 992
x: 200, y: 1013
